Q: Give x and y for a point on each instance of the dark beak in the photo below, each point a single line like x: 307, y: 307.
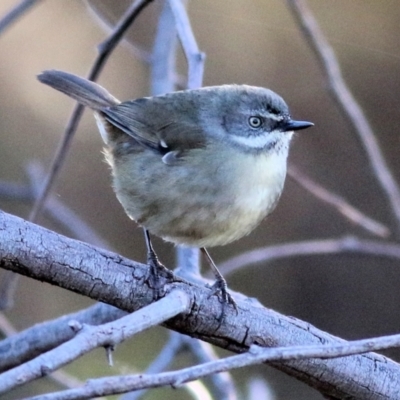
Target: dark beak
x: 291, y: 125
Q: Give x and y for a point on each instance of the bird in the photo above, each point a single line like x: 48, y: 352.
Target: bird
x: 199, y: 168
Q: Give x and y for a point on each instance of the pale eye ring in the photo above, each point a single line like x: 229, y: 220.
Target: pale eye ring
x: 255, y: 122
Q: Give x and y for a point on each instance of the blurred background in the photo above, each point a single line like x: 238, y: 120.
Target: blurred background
x: 257, y: 43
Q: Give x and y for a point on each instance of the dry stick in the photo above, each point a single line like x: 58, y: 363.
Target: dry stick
x: 195, y: 58
x: 9, y: 280
x: 40, y: 338
x: 105, y: 49
x: 33, y: 341
x: 339, y: 203
x: 91, y: 337
x: 28, y: 249
x: 161, y: 362
x: 163, y: 58
x: 107, y: 23
x: 224, y: 387
x: 256, y: 355
x: 15, y: 191
x: 16, y: 13
x: 54, y: 209
x: 60, y: 377
x: 347, y: 244
x: 61, y: 213
x: 346, y: 101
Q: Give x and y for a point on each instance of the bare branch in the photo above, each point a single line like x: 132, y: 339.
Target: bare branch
x: 163, y: 59
x: 38, y: 339
x: 61, y: 213
x: 91, y: 337
x: 161, y: 363
x: 64, y: 379
x: 346, y: 101
x: 339, y: 203
x: 256, y: 355
x: 223, y: 385
x: 28, y: 249
x: 13, y: 15
x: 105, y: 49
x: 60, y: 377
x: 346, y: 244
x: 194, y: 57
x: 54, y: 208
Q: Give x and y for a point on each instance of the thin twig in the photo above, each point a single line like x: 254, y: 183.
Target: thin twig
x: 9, y: 281
x: 339, y: 203
x: 223, y: 385
x: 163, y: 59
x: 91, y: 337
x: 15, y: 191
x: 15, y: 13
x: 346, y: 101
x: 105, y: 49
x: 60, y: 377
x: 54, y: 209
x: 195, y: 58
x: 346, y: 244
x: 64, y: 379
x: 61, y: 213
x: 257, y: 355
x: 40, y: 338
x: 165, y: 357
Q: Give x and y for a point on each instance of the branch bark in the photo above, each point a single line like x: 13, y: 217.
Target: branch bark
x: 33, y: 251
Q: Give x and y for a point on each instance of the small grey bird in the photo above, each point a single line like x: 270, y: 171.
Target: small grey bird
x: 197, y: 167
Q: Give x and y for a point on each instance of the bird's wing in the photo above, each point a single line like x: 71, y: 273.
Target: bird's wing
x: 160, y: 128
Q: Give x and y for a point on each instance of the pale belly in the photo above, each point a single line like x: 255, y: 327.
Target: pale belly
x: 185, y: 206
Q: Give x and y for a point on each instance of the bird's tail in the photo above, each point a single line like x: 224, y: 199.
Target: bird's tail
x: 88, y: 93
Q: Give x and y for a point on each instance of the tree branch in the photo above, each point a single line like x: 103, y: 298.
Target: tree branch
x: 346, y: 101
x: 33, y: 251
x: 91, y: 337
x: 339, y: 203
x: 256, y: 355
x: 105, y: 49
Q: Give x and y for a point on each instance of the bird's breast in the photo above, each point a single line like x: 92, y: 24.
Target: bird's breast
x: 210, y: 199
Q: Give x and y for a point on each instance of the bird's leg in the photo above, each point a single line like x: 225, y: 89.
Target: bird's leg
x: 157, y: 270
x: 220, y: 286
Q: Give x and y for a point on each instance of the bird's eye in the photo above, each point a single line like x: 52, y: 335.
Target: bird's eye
x: 255, y: 122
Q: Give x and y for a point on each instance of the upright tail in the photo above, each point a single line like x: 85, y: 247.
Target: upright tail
x: 88, y: 93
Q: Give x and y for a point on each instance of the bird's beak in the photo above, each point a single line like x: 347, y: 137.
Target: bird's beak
x: 291, y: 125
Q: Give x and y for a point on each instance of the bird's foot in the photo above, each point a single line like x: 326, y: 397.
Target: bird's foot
x: 157, y: 276
x: 220, y: 289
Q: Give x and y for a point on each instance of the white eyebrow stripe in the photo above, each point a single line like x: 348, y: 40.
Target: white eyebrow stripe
x: 276, y: 117
x: 254, y: 142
